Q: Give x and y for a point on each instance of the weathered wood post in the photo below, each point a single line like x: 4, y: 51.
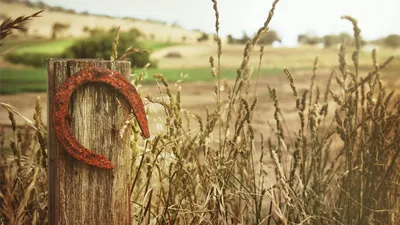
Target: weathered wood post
x: 80, y: 193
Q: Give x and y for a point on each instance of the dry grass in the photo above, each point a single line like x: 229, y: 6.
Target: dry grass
x: 23, y: 187
x: 338, y: 167
x: 9, y: 25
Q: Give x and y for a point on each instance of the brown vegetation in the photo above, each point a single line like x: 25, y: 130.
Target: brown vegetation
x: 339, y: 164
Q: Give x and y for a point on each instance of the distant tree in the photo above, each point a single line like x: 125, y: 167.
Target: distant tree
x: 57, y: 29
x: 301, y: 38
x: 41, y: 5
x: 99, y: 46
x: 203, y: 37
x: 27, y: 3
x: 330, y: 40
x: 346, y: 37
x: 245, y: 38
x: 308, y: 39
x: 215, y: 37
x: 96, y: 30
x: 135, y: 32
x: 57, y: 9
x: 70, y: 11
x: 314, y: 40
x: 86, y: 29
x: 392, y: 41
x: 242, y: 40
x: 230, y: 39
x: 184, y: 39
x: 268, y: 38
x: 175, y: 24
x: 349, y: 39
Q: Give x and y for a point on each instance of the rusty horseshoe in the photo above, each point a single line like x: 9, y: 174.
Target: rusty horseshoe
x: 60, y: 111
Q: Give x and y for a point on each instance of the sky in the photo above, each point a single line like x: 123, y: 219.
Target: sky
x: 376, y: 18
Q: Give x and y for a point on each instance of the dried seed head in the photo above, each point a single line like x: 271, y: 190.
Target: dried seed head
x: 13, y: 123
x: 291, y: 81
x: 356, y: 30
x: 114, y: 51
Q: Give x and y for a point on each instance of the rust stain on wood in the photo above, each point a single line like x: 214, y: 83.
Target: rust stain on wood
x: 60, y: 111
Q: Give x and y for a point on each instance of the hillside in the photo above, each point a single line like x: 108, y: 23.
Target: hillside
x: 42, y: 27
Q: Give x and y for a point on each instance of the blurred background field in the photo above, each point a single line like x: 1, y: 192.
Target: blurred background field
x: 192, y: 60
x: 181, y: 55
x: 174, y: 50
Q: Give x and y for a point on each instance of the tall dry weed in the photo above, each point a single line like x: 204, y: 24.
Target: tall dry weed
x: 211, y: 168
x: 23, y: 189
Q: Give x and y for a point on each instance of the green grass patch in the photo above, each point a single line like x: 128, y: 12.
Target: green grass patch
x: 38, y: 46
x: 153, y: 46
x: 59, y: 46
x: 36, y: 53
x: 14, y: 81
x: 23, y: 75
x: 55, y: 47
x: 10, y: 44
x: 198, y: 74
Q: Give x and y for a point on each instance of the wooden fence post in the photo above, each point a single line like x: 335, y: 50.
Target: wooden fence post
x: 80, y: 193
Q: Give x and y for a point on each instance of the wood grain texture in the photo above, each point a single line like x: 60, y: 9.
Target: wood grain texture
x: 80, y: 193
x: 61, y: 111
